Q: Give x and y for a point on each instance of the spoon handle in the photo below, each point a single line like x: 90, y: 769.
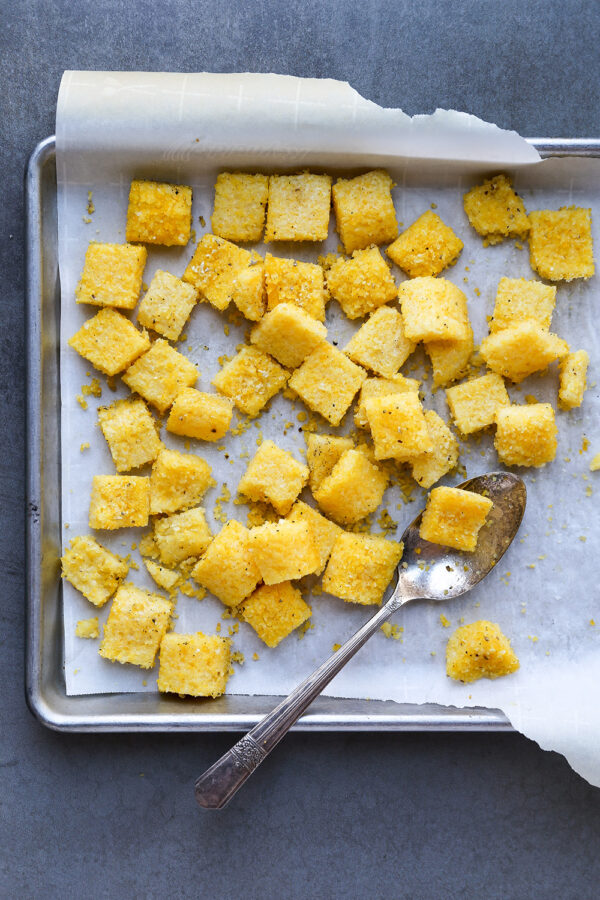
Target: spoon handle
x: 215, y: 788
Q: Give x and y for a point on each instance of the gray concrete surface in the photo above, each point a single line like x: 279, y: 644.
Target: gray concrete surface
x: 375, y: 816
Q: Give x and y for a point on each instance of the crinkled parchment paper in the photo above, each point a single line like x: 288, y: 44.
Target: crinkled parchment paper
x: 112, y: 127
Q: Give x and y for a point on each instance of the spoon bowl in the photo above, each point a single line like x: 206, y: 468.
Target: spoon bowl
x: 427, y: 571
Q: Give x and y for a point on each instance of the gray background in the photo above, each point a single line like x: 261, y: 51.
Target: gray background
x: 378, y: 816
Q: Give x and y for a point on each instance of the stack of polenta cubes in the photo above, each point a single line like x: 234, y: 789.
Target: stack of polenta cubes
x: 256, y: 572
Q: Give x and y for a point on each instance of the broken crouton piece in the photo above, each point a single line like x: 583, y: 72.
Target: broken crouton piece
x: 291, y: 281
x: 430, y: 467
x: 119, y: 501
x: 298, y: 208
x: 454, y: 517
x: 284, y: 550
x: 522, y: 349
x: 433, y: 309
x: 87, y: 628
x: 473, y: 404
x: 325, y: 533
x: 361, y: 567
x: 450, y: 359
x: 250, y: 379
x: 136, y: 624
x: 194, y: 665
x: 364, y: 210
x: 479, y: 650
x: 380, y: 344
x: 195, y: 414
x: 184, y: 535
x: 289, y: 334
x: 323, y: 451
x: 573, y: 370
x: 167, y: 304
x: 160, y: 374
x: 560, y: 243
x: 227, y: 569
x: 353, y: 489
x: 495, y: 211
x: 112, y: 275
x: 214, y: 268
x: 178, y: 481
x: 248, y: 292
x: 327, y: 381
x: 109, y: 341
x: 526, y: 435
x: 382, y: 387
x: 240, y: 203
x: 273, y: 476
x: 167, y: 579
x: 92, y: 569
x: 159, y: 213
x: 274, y: 611
x: 427, y: 247
x: 398, y: 426
x: 130, y: 433
x: 518, y: 300
x: 361, y: 284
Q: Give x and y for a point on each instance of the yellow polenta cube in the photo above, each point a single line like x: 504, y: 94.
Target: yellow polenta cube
x: 112, y: 275
x: 479, y: 650
x: 289, y: 334
x: 327, y: 381
x: 560, y: 243
x: 382, y: 387
x: 206, y: 417
x: 130, y: 433
x: 159, y: 213
x: 324, y: 532
x: 248, y: 292
x: 291, y: 281
x: 165, y: 578
x: 109, y: 341
x: 227, y: 569
x: 433, y: 310
x: 240, y: 202
x: 167, y: 304
x: 426, y: 248
x: 274, y: 611
x: 284, y: 550
x: 454, y: 518
x: 87, y: 628
x: 360, y: 567
x: 92, y: 569
x: 250, y: 379
x: 298, y: 207
x: 354, y: 488
x: 160, y: 374
x: 381, y: 344
x: 364, y: 210
x: 136, y: 624
x: 518, y: 299
x: 119, y: 501
x: 573, y: 370
x: 473, y: 404
x: 273, y: 476
x: 495, y: 211
x: 214, y: 268
x: 522, y: 349
x: 323, y: 451
x: 430, y: 467
x: 398, y: 426
x: 194, y: 665
x: 450, y: 359
x: 182, y: 536
x: 526, y: 435
x: 361, y: 284
x: 178, y: 481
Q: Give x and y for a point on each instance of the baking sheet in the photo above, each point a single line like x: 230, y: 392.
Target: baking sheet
x: 102, y: 145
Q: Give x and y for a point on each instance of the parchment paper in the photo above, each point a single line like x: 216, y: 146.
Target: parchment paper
x: 112, y: 127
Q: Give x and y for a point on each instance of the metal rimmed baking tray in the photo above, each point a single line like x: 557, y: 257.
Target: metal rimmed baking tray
x: 45, y: 687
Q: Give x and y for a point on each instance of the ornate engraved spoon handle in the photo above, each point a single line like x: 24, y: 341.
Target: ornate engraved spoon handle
x: 217, y: 786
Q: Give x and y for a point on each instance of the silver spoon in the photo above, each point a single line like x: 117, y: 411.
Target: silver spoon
x: 427, y: 572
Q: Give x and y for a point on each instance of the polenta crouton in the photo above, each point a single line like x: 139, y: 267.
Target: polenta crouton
x: 160, y: 374
x: 194, y: 665
x: 274, y: 611
x: 454, y: 518
x: 250, y: 379
x: 167, y: 304
x: 195, y: 414
x: 136, y: 624
x: 522, y: 349
x: 473, y: 404
x: 298, y: 207
x: 291, y: 281
x: 327, y: 382
x: 479, y: 650
x: 92, y: 569
x: 525, y: 435
x: 178, y: 481
x: 560, y: 243
x: 353, y: 489
x: 119, y: 501
x: 109, y: 341
x: 273, y: 476
x: 573, y: 370
x: 240, y: 202
x: 361, y: 284
x: 495, y: 211
x: 381, y: 344
x: 112, y: 275
x: 289, y: 334
x: 159, y: 213
x: 214, y: 268
x: 130, y: 433
x: 284, y: 550
x: 364, y: 210
x: 427, y: 247
x: 360, y: 567
x: 227, y: 569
